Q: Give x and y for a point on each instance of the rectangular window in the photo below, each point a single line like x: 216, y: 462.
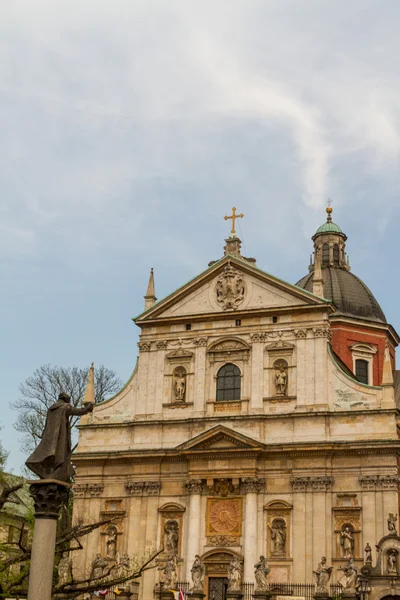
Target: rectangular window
x: 274, y: 319
x: 238, y: 322
x: 188, y: 326
x: 362, y: 370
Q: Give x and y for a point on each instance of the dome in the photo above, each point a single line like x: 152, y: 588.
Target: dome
x: 329, y: 227
x: 349, y: 294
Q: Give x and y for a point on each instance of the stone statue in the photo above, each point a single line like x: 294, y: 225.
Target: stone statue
x: 368, y: 554
x: 322, y: 576
x: 52, y: 457
x: 171, y: 537
x: 170, y: 574
x: 281, y: 381
x: 198, y: 572
x: 179, y: 385
x: 65, y: 569
x: 235, y: 573
x: 122, y: 566
x: 261, y: 571
x: 98, y: 565
x: 392, y: 523
x: 111, y: 543
x: 278, y: 536
x: 347, y: 542
x: 349, y: 579
x: 392, y: 562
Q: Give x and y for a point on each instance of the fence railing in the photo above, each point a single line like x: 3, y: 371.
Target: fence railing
x: 306, y: 590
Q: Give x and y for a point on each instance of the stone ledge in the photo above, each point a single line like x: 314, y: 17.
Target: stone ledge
x: 177, y: 404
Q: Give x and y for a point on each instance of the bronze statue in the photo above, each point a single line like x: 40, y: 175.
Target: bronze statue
x: 52, y: 458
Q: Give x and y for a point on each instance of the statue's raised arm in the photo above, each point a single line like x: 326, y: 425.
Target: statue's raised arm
x: 52, y: 457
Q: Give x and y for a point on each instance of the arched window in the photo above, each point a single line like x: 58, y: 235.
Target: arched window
x: 228, y: 383
x: 362, y: 370
x: 336, y: 254
x: 325, y: 255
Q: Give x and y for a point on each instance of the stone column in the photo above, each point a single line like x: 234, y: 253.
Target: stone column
x: 48, y: 496
x: 252, y: 486
x: 195, y: 489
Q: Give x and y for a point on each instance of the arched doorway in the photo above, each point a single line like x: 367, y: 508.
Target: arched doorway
x: 217, y: 562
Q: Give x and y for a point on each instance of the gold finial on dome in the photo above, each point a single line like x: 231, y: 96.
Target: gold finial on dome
x: 329, y: 211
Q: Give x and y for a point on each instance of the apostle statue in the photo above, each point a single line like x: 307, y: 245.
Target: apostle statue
x: 392, y: 523
x: 281, y: 380
x: 111, y: 543
x: 170, y: 574
x: 52, y: 457
x: 98, y: 565
x: 64, y: 569
x: 322, y: 576
x: 347, y: 542
x: 278, y: 536
x: 235, y: 573
x: 261, y: 571
x: 350, y: 578
x: 198, y: 572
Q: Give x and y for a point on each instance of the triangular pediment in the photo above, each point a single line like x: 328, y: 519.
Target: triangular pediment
x: 220, y: 438
x: 230, y: 285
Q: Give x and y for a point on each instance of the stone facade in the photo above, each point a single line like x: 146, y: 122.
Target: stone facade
x: 280, y: 469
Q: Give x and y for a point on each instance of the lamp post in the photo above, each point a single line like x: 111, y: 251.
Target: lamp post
x: 363, y: 587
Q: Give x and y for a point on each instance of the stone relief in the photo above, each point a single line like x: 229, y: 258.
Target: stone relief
x: 347, y: 541
x: 179, y: 384
x: 278, y: 536
x: 372, y: 482
x: 392, y: 524
x: 88, y: 489
x: 261, y: 571
x: 322, y: 576
x: 224, y: 516
x: 230, y: 288
x: 347, y: 400
x: 235, y: 574
x: 194, y: 486
x: 300, y: 484
x: 222, y: 487
x: 253, y: 485
x: 171, y: 537
x: 224, y: 541
x: 198, y: 572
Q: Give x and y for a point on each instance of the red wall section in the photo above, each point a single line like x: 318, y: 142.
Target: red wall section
x: 344, y: 335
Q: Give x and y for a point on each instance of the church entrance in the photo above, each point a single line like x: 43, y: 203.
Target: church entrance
x: 217, y: 587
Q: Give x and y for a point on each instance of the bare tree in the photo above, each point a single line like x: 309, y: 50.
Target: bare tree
x: 40, y: 391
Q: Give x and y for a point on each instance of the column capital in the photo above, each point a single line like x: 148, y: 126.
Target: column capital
x: 194, y: 486
x: 253, y: 485
x: 48, y: 497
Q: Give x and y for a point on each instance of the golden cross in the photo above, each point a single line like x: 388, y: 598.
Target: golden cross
x: 234, y: 216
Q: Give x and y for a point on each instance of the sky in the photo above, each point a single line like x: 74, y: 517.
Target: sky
x: 130, y: 128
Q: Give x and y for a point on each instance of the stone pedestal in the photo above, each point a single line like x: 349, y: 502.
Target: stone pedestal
x: 48, y: 496
x: 322, y: 597
x: 197, y: 595
x: 234, y: 595
x: 262, y: 595
x: 165, y: 595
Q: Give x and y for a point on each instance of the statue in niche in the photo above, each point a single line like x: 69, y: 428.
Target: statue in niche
x: 171, y: 537
x: 179, y: 384
x: 198, y: 572
x: 392, y: 562
x: 65, y: 569
x: 170, y: 574
x: 368, y: 554
x: 280, y: 379
x: 322, y: 576
x: 278, y: 536
x: 261, y: 571
x: 111, y: 543
x: 392, y: 523
x: 235, y: 573
x: 347, y: 542
x: 350, y: 577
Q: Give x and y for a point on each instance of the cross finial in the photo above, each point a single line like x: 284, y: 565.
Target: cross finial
x: 329, y: 210
x: 234, y: 216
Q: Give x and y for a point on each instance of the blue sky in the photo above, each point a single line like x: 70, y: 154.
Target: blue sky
x: 129, y: 129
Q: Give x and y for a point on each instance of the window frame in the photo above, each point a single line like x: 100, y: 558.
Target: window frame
x: 237, y: 376
x: 365, y: 352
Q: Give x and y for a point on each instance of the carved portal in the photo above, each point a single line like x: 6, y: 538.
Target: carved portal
x: 224, y: 517
x: 230, y: 288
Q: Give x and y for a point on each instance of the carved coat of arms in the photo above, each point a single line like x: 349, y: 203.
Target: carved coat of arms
x: 230, y: 288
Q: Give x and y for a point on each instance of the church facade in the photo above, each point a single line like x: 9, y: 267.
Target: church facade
x: 261, y: 419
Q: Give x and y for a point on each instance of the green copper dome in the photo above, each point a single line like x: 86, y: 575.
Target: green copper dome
x: 329, y: 227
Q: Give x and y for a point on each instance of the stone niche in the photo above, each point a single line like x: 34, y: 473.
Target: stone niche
x: 179, y: 379
x: 171, y: 521
x: 278, y: 513
x: 228, y: 351
x: 347, y: 520
x: 279, y: 357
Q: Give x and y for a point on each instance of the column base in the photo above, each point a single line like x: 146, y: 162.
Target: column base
x: 234, y: 595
